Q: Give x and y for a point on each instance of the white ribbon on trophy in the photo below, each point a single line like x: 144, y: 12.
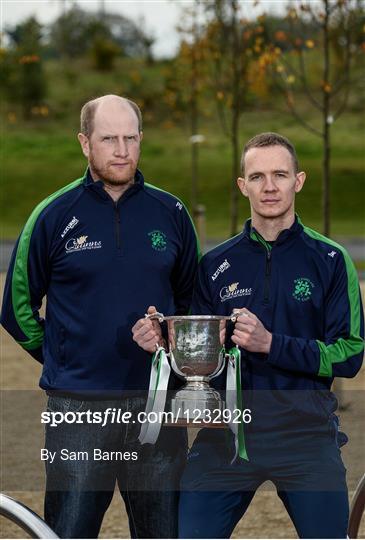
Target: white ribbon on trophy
x: 159, y: 379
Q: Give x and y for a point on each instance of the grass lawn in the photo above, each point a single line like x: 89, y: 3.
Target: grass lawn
x: 38, y: 158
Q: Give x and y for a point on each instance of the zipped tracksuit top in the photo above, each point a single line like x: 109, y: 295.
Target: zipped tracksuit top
x: 100, y: 263
x: 304, y: 289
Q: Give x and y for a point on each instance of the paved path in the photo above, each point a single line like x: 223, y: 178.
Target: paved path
x: 355, y: 246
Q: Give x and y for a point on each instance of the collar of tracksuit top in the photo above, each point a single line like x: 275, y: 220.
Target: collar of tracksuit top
x: 285, y: 240
x: 285, y: 236
x: 97, y: 187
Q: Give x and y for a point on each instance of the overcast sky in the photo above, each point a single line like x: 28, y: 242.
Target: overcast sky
x: 161, y: 16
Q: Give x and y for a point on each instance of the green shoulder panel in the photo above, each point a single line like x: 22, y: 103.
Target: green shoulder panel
x: 20, y: 282
x: 343, y: 348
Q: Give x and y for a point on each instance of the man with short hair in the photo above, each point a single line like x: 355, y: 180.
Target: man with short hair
x: 100, y: 249
x: 300, y: 325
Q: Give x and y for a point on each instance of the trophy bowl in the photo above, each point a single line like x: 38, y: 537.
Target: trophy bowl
x: 196, y: 355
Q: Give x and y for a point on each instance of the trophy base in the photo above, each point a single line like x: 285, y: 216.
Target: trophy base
x: 197, y: 405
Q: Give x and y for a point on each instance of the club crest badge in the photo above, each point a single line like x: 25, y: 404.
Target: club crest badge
x: 303, y: 288
x: 158, y: 240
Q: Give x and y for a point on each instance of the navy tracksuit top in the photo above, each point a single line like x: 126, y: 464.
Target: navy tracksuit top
x: 304, y: 289
x: 100, y: 263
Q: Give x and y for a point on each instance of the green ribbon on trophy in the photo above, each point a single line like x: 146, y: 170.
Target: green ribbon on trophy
x: 159, y: 379
x: 234, y: 400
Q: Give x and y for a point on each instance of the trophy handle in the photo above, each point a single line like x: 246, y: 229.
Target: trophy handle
x: 174, y: 365
x: 220, y: 368
x: 157, y: 315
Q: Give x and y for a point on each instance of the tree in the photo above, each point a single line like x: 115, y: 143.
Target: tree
x: 132, y: 38
x: 28, y: 85
x: 332, y: 32
x: 77, y: 31
x: 146, y: 40
x: 69, y: 33
x: 189, y: 65
x: 234, y: 44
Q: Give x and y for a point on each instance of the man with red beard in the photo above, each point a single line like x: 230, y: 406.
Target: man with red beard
x: 101, y: 249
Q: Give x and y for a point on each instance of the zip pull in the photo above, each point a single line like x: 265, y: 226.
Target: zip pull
x: 117, y: 225
x: 268, y: 263
x: 267, y: 277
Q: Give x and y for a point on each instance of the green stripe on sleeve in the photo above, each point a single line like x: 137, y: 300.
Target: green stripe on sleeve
x: 20, y: 281
x: 337, y: 352
x: 343, y: 348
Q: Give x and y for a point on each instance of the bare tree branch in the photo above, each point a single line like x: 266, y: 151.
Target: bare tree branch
x: 299, y: 118
x: 287, y: 94
x: 304, y: 80
x: 313, y: 15
x: 344, y: 103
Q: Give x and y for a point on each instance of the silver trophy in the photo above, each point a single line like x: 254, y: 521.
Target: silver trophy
x: 196, y: 355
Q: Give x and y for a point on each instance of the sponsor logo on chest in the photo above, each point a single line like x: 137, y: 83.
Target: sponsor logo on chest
x: 80, y: 244
x: 221, y: 268
x: 234, y: 291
